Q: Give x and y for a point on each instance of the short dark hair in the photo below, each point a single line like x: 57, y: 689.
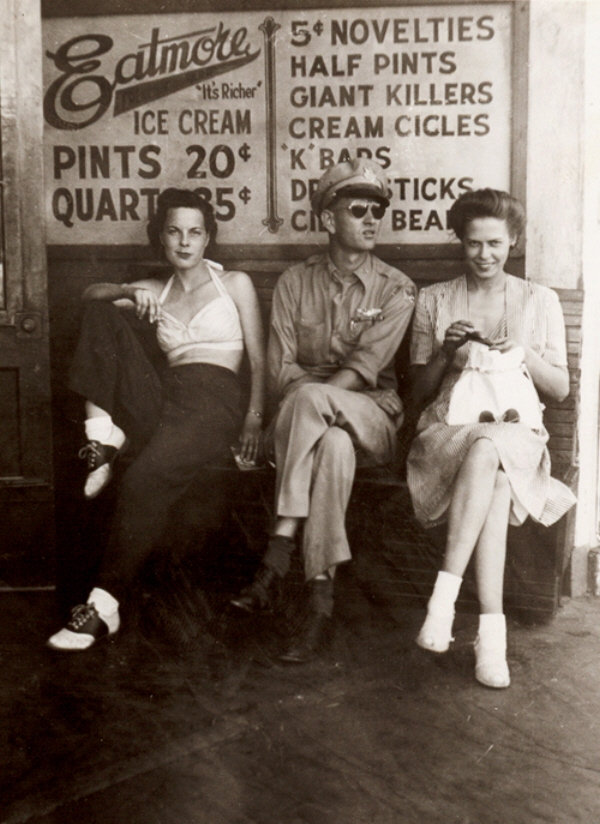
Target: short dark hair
x: 486, y: 203
x: 179, y: 199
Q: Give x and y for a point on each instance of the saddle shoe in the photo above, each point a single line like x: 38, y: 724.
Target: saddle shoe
x: 100, y: 459
x: 85, y: 627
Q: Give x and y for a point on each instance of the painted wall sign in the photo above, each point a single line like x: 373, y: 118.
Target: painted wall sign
x: 252, y: 107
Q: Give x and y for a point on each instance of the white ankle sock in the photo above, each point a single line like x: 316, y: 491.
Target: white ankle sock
x: 491, y: 668
x: 492, y: 629
x: 103, y: 601
x: 98, y: 428
x: 436, y: 632
x: 445, y: 593
x: 101, y: 428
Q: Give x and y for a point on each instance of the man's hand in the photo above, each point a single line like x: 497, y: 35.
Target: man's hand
x: 388, y: 400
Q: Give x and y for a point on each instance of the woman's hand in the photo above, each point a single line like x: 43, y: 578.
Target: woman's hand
x: 506, y: 344
x: 426, y: 379
x: 456, y: 335
x: 146, y: 302
x: 250, y: 439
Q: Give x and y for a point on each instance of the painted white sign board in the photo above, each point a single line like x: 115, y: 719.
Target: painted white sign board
x: 252, y: 107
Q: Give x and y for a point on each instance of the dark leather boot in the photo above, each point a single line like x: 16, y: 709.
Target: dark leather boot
x: 260, y: 595
x: 309, y: 644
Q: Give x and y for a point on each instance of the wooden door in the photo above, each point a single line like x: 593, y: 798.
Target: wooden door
x: 26, y: 495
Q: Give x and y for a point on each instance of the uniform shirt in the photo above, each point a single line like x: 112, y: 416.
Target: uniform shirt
x: 323, y: 321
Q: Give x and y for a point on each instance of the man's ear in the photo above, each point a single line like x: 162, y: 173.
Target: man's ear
x: 328, y: 221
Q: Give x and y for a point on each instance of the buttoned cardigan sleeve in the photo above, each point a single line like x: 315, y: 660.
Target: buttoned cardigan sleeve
x: 379, y: 343
x: 555, y: 350
x: 423, y: 329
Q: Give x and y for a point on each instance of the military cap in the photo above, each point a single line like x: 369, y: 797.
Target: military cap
x: 353, y: 178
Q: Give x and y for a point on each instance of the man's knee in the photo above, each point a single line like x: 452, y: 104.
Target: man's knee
x: 335, y: 448
x: 335, y: 440
x: 308, y: 403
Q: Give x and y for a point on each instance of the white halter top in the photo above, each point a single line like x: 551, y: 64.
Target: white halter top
x: 215, y: 326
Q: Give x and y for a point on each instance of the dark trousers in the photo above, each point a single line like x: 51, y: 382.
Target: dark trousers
x: 118, y: 365
x: 197, y: 413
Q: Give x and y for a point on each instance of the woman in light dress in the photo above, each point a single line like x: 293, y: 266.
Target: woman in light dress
x: 482, y: 475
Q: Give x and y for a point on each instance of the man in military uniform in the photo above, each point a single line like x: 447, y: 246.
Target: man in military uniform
x: 337, y: 322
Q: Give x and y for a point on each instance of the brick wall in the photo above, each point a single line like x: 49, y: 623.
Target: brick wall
x: 561, y: 418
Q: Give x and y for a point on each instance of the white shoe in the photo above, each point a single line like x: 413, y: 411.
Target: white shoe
x: 97, y: 480
x: 436, y: 632
x: 491, y: 668
x: 84, y: 629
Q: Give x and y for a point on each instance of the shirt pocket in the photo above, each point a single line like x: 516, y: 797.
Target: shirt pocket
x: 351, y: 332
x: 312, y: 343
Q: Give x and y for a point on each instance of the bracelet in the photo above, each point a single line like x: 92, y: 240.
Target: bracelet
x: 254, y: 412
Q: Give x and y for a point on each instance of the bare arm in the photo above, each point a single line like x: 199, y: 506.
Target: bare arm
x: 549, y: 379
x: 244, y: 295
x: 427, y: 378
x: 143, y: 294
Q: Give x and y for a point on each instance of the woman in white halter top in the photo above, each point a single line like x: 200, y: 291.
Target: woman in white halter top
x: 164, y: 376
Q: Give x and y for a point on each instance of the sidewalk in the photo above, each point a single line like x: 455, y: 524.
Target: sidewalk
x: 378, y: 731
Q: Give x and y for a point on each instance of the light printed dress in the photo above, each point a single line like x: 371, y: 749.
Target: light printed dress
x: 533, y: 317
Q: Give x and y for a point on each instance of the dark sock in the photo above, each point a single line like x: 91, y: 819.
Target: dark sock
x: 322, y: 596
x: 278, y: 554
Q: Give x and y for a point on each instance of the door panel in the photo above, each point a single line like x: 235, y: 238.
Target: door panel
x: 26, y: 493
x: 9, y: 423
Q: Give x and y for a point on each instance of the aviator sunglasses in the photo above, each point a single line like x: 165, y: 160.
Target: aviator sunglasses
x: 359, y: 210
